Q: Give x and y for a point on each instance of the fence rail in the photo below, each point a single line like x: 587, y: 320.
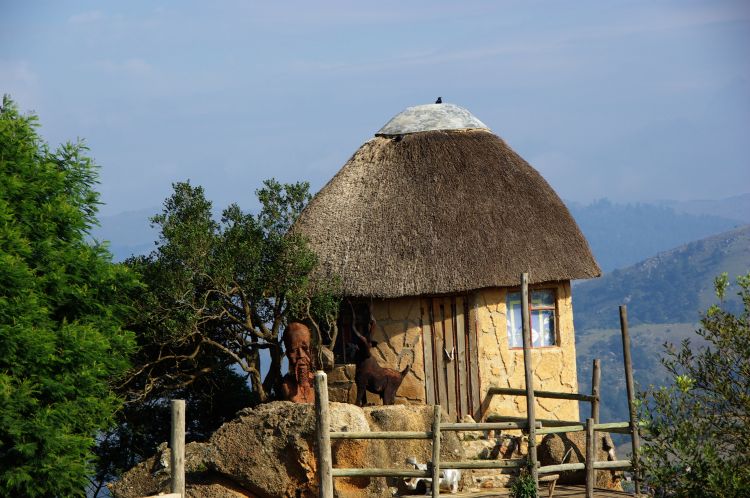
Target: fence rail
x: 382, y: 435
x: 380, y: 473
x: 618, y: 427
x: 509, y: 391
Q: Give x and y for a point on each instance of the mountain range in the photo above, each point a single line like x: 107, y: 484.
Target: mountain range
x: 671, y: 287
x: 665, y: 296
x: 623, y: 234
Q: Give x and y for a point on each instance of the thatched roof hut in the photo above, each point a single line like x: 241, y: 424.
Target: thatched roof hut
x: 436, y: 203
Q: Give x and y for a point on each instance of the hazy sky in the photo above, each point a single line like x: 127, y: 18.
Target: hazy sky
x: 632, y: 100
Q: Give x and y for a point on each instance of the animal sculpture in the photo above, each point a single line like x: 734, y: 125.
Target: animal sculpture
x: 369, y: 376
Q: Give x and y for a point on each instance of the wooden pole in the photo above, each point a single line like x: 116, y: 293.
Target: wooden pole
x: 590, y: 457
x: 322, y: 426
x: 596, y: 378
x: 631, y: 397
x: 177, y: 446
x: 530, y: 400
x: 436, y: 451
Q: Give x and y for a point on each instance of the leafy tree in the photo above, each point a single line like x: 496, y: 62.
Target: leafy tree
x: 62, y: 308
x: 221, y: 291
x: 698, y: 430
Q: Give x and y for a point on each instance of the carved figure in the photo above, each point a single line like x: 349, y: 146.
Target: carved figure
x: 370, y: 376
x: 297, y: 385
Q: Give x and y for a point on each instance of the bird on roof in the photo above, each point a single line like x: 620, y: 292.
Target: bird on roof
x: 439, y: 100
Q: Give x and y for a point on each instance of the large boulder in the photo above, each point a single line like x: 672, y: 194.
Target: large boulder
x: 570, y: 447
x: 269, y: 452
x: 396, y: 452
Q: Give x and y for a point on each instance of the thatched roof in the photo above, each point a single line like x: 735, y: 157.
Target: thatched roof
x: 437, y: 212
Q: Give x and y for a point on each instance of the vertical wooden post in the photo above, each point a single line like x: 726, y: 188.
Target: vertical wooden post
x: 590, y: 457
x: 631, y: 397
x: 530, y: 401
x: 596, y: 378
x: 177, y: 446
x: 436, y: 451
x: 322, y: 427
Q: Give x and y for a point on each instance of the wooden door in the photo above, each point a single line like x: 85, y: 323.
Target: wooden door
x: 450, y: 355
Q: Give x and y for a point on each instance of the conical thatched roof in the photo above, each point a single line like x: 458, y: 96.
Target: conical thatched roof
x: 441, y: 209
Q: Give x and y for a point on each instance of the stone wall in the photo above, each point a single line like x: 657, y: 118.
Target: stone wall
x: 399, y: 339
x: 499, y: 366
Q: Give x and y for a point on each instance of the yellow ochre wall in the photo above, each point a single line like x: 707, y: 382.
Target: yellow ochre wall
x: 554, y: 368
x: 399, y: 339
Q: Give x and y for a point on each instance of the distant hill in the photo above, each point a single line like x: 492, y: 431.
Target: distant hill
x: 127, y: 233
x: 647, y: 349
x: 671, y: 287
x: 733, y: 208
x: 665, y: 295
x: 623, y: 234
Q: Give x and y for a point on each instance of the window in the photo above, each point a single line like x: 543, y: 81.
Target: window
x: 542, y: 313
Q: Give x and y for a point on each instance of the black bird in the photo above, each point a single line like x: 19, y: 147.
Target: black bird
x: 439, y: 100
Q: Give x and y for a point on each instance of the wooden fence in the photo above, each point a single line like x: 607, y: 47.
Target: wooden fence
x: 530, y: 425
x: 324, y: 437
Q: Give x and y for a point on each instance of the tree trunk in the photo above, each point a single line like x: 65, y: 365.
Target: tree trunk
x: 273, y: 379
x: 253, y: 359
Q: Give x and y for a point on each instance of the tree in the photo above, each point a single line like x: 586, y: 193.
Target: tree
x: 62, y: 308
x: 219, y: 292
x: 698, y: 429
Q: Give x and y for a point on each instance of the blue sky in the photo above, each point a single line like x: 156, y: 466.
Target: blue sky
x: 634, y: 101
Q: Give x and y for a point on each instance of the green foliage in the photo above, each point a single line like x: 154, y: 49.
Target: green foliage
x: 62, y: 306
x: 698, y: 429
x: 523, y: 486
x: 220, y: 291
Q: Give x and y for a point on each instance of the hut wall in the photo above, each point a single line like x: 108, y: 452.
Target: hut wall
x: 399, y: 338
x: 554, y: 367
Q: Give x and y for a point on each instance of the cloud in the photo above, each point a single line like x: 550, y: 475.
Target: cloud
x: 86, y: 17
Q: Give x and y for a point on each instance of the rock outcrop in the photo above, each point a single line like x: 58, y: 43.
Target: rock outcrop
x: 269, y: 452
x: 570, y: 447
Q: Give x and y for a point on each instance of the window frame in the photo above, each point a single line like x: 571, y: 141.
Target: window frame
x: 532, y: 308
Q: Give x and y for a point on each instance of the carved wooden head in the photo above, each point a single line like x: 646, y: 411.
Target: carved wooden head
x: 298, y: 349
